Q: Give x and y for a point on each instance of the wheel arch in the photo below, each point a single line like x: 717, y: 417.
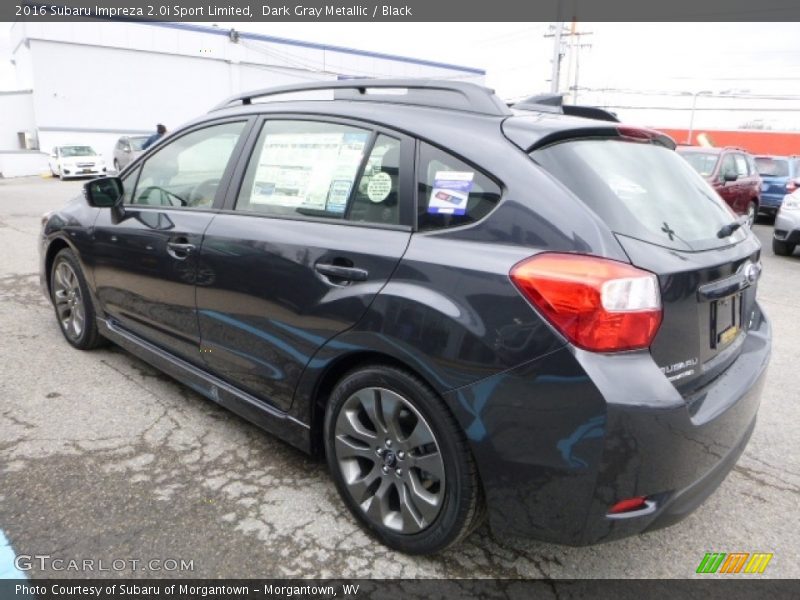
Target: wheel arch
x: 320, y: 389
x: 55, y: 246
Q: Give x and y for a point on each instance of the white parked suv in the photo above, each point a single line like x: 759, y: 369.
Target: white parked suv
x: 76, y: 161
x: 787, y: 225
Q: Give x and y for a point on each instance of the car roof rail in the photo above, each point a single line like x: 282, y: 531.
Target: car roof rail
x: 554, y: 103
x: 455, y: 95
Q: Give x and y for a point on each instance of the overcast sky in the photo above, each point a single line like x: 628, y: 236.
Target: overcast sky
x: 623, y: 65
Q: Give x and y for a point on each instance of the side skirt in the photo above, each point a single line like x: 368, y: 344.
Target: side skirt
x: 248, y: 407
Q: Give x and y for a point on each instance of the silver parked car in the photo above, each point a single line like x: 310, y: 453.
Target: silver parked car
x: 128, y: 148
x: 787, y: 225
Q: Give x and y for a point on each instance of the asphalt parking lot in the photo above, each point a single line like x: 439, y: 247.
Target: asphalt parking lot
x: 103, y: 457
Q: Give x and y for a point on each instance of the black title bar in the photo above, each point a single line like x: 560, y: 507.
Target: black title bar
x: 709, y: 588
x: 402, y: 10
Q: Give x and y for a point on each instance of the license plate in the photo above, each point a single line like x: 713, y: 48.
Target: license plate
x: 87, y: 171
x: 725, y: 320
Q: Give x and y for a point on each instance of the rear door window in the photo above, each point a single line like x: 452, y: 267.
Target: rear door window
x: 375, y: 198
x: 645, y: 191
x: 303, y: 168
x: 316, y: 169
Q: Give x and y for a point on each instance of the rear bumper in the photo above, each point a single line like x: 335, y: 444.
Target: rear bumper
x: 770, y: 203
x: 561, y: 439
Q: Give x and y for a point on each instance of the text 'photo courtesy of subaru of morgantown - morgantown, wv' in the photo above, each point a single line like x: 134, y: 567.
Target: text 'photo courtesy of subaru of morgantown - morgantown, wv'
x: 532, y: 314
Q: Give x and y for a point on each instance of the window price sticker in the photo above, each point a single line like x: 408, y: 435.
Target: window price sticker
x: 450, y: 192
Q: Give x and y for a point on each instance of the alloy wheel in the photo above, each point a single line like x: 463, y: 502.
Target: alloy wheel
x: 69, y: 300
x: 390, y: 460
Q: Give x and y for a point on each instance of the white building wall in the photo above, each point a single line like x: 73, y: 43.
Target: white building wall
x: 22, y: 163
x: 16, y: 109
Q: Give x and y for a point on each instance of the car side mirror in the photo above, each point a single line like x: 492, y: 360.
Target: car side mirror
x: 127, y: 150
x: 730, y: 176
x: 105, y: 192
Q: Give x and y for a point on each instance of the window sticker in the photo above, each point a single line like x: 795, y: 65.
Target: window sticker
x: 338, y: 195
x: 450, y: 192
x: 379, y: 187
x: 308, y: 170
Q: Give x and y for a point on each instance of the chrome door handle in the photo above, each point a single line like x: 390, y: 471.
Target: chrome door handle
x: 341, y: 273
x: 179, y: 250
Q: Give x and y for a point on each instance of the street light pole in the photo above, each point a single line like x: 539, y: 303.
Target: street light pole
x: 694, y: 106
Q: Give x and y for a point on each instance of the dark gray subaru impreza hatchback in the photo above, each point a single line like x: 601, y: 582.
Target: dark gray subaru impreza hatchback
x: 467, y: 308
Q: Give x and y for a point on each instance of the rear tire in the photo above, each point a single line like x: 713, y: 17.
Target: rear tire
x: 782, y: 248
x: 73, y: 302
x: 400, y: 461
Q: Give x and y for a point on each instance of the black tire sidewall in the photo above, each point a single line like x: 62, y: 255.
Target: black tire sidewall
x: 782, y: 248
x: 455, y: 515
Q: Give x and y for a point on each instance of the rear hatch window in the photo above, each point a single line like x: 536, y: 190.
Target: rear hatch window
x: 641, y: 190
x: 772, y: 167
x: 667, y: 218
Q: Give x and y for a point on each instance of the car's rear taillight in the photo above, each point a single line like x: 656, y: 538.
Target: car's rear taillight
x: 628, y: 505
x: 598, y: 304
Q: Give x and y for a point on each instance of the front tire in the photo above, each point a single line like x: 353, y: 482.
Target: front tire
x: 73, y: 303
x: 400, y: 461
x: 782, y: 248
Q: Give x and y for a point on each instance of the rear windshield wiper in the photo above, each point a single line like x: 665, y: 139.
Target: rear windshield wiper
x: 728, y: 229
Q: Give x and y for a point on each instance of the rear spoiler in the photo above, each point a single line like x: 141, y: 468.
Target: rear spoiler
x: 554, y: 103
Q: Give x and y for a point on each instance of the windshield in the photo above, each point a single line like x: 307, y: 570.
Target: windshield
x: 77, y: 151
x: 702, y: 162
x: 137, y: 142
x: 772, y: 167
x: 643, y: 191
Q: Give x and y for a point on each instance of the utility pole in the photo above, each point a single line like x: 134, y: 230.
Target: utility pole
x: 557, y: 56
x: 574, y: 49
x: 571, y: 47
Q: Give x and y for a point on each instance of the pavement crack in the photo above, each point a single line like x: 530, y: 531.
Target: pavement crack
x: 758, y: 477
x: 17, y: 421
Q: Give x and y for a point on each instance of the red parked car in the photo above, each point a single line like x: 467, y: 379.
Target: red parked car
x: 732, y: 173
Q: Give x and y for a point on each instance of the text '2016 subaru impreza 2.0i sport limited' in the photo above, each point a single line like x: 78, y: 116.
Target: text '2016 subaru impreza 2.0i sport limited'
x: 534, y: 313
